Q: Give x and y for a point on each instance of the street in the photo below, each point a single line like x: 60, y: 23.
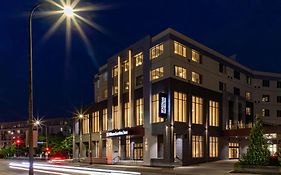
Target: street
x: 211, y: 168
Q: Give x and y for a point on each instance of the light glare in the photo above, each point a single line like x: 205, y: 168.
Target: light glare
x: 68, y: 11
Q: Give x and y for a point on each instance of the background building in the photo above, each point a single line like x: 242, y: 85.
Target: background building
x: 207, y: 102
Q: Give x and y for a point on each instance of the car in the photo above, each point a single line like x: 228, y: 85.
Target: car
x: 58, y: 158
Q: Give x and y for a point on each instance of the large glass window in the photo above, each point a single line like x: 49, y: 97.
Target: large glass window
x: 195, y: 56
x: 85, y: 124
x: 180, y: 72
x: 156, y: 51
x: 179, y: 49
x: 139, y: 59
x: 214, y: 147
x: 139, y: 112
x: 95, y: 122
x: 197, y: 146
x: 197, y: 110
x: 213, y: 113
x: 180, y: 107
x: 115, y: 71
x: 196, y: 78
x: 155, y: 109
x: 127, y: 115
x: 115, y: 121
x: 125, y: 66
x: 157, y: 73
x: 104, y: 119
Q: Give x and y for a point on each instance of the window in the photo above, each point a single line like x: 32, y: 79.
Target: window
x: 195, y: 77
x: 139, y: 112
x: 115, y: 121
x: 115, y: 71
x: 236, y: 91
x: 179, y: 49
x: 96, y: 149
x: 155, y: 109
x: 195, y: 56
x: 197, y: 110
x: 248, y: 111
x: 272, y: 148
x: 278, y: 99
x: 156, y: 51
x: 180, y: 72
x: 95, y: 122
x: 127, y: 119
x: 197, y: 146
x: 248, y: 80
x: 139, y: 59
x: 278, y: 84
x: 265, y: 83
x: 214, y: 147
x: 180, y: 107
x: 85, y: 124
x: 104, y: 119
x: 278, y: 113
x: 265, y: 98
x: 265, y: 112
x: 213, y: 113
x: 237, y: 75
x: 221, y: 68
x: 126, y: 85
x: 139, y: 80
x: 221, y: 86
x: 157, y: 73
x: 248, y: 95
x: 114, y: 89
x: 125, y: 66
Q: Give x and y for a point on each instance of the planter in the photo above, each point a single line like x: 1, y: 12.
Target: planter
x: 257, y: 169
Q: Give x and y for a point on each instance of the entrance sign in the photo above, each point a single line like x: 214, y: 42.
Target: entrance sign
x: 163, y: 105
x: 117, y: 133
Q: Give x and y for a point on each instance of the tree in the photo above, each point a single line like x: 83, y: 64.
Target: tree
x: 257, y: 153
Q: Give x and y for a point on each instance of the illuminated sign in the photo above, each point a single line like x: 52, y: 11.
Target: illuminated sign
x: 117, y: 133
x: 163, y: 105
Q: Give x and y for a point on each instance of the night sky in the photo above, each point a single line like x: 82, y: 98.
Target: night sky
x: 251, y: 29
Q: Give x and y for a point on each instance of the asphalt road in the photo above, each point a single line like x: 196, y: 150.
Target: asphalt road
x: 211, y: 168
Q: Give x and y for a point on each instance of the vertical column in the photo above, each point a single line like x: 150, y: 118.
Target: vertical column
x: 131, y: 90
x: 120, y: 80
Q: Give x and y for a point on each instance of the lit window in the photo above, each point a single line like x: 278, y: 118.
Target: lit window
x: 197, y: 146
x: 126, y: 85
x: 115, y: 71
x: 114, y: 89
x: 126, y: 66
x: 139, y: 59
x: 179, y: 49
x: 115, y: 121
x: 195, y: 56
x: 157, y: 73
x: 272, y: 148
x: 85, y: 124
x: 139, y: 112
x: 155, y: 109
x: 270, y: 136
x: 104, y: 119
x: 180, y: 72
x: 127, y: 116
x: 95, y: 122
x: 196, y: 78
x: 197, y: 110
x: 213, y: 113
x: 265, y: 98
x: 248, y: 96
x: 214, y: 147
x: 265, y: 112
x: 248, y: 111
x: 180, y: 107
x: 156, y: 51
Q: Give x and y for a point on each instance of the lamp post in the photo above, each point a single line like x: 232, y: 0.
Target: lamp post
x: 80, y: 117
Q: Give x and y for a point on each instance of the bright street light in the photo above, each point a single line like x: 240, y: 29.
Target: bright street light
x: 68, y: 11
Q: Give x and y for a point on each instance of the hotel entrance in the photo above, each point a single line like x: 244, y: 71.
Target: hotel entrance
x: 233, y: 151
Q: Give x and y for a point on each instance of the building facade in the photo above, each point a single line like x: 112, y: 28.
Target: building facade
x: 168, y: 100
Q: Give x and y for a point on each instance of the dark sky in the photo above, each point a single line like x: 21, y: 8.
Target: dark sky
x: 249, y: 28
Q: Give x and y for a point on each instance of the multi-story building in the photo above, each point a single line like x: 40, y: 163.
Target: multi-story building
x: 169, y: 100
x: 10, y: 132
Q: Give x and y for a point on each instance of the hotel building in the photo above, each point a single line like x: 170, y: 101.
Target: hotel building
x: 169, y: 100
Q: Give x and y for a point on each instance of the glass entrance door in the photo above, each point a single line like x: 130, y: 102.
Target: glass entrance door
x: 233, y: 151
x: 138, y: 151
